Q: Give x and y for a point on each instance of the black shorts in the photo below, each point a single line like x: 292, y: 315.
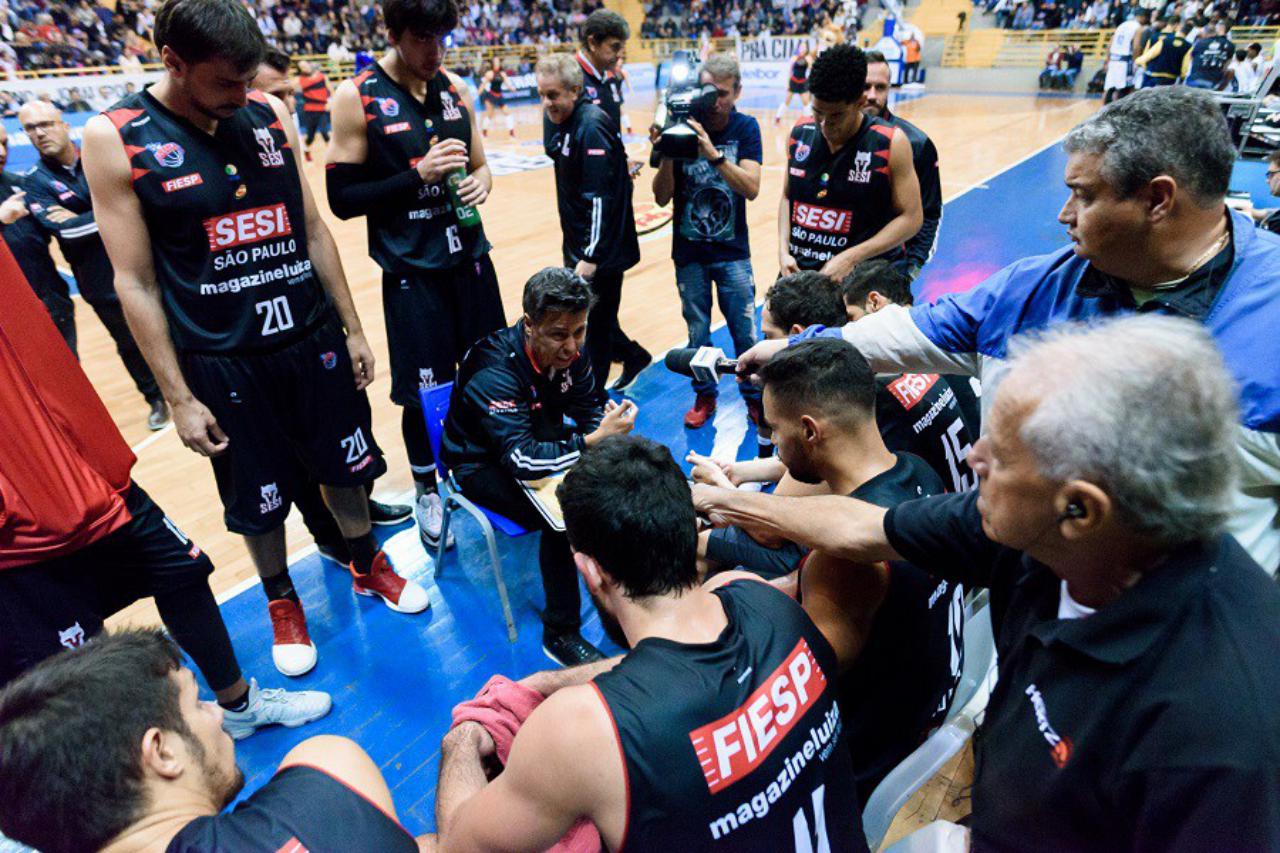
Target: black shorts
x: 433, y: 318
x: 797, y: 88
x: 288, y: 412
x: 62, y: 602
x: 487, y: 97
x: 731, y: 547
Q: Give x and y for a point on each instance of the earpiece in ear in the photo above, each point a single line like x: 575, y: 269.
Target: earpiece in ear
x: 1073, y: 510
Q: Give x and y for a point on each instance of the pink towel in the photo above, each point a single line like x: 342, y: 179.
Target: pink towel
x: 501, y: 706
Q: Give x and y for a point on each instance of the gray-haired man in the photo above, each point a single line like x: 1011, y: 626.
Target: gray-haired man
x: 1135, y: 708
x: 710, y: 242
x: 1149, y: 231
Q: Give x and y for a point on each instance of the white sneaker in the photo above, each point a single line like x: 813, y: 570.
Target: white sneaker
x: 275, y: 707
x: 428, y: 513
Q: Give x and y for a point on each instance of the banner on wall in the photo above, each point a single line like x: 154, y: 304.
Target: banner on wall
x: 99, y: 91
x: 779, y: 49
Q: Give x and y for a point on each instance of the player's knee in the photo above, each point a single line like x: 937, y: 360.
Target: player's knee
x: 344, y: 760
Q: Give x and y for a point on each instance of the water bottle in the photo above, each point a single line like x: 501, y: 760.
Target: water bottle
x: 468, y: 216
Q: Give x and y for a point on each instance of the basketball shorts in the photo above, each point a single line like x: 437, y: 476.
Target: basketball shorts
x: 286, y: 412
x: 62, y: 602
x: 433, y: 318
x: 488, y: 97
x: 797, y: 88
x: 1119, y: 74
x: 312, y: 122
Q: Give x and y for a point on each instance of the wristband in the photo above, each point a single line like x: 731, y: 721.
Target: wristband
x: 716, y: 162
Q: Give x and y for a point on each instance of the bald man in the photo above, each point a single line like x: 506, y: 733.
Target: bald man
x: 58, y: 198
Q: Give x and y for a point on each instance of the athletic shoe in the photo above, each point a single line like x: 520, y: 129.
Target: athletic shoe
x: 428, y: 513
x: 512, y: 131
x: 158, y: 418
x: 291, y: 647
x: 384, y: 514
x: 569, y: 648
x: 336, y: 552
x: 306, y: 155
x: 397, y: 593
x: 703, y: 408
x: 636, y: 361
x: 275, y: 707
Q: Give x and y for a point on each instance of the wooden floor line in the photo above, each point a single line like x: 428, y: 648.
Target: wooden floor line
x: 998, y: 172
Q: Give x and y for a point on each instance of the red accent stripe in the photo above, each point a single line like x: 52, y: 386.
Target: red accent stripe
x: 121, y: 117
x: 259, y: 97
x: 626, y: 777
x: 138, y: 173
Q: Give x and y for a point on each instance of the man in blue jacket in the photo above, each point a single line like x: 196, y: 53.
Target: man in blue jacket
x: 1149, y: 231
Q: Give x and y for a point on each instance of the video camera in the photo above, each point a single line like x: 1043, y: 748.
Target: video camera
x: 684, y: 99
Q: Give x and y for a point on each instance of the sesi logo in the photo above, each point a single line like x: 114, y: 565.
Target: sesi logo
x: 737, y: 743
x: 247, y: 226
x: 819, y: 218
x: 910, y: 388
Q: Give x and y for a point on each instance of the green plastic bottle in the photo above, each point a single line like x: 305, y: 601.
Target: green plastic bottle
x: 468, y: 216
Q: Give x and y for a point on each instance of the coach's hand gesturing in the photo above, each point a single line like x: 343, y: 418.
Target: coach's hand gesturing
x: 444, y: 157
x: 361, y: 359
x: 618, y: 420
x: 198, y: 428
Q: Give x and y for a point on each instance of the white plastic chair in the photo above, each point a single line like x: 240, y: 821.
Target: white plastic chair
x: 943, y: 744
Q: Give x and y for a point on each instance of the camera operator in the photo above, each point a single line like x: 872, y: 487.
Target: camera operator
x: 710, y: 212
x: 593, y: 192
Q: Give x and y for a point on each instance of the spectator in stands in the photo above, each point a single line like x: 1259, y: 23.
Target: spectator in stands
x: 1269, y: 217
x: 1053, y: 63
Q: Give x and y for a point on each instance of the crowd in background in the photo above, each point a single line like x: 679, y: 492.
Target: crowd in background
x: 728, y: 18
x: 1100, y: 14
x: 40, y: 34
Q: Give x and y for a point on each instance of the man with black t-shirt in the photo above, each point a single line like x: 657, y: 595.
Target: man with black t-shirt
x: 236, y: 291
x: 58, y: 198
x: 924, y: 156
x: 850, y: 191
x: 747, y: 749
x: 593, y: 192
x: 403, y: 133
x: 1209, y: 57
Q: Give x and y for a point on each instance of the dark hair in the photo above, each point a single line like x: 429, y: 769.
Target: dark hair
x: 423, y: 18
x: 603, y: 24
x: 70, y: 738
x: 874, y: 56
x: 1144, y: 14
x: 805, y: 299
x: 200, y: 30
x: 277, y: 59
x: 556, y: 290
x: 839, y: 74
x: 828, y: 375
x: 627, y: 505
x: 1255, y: 46
x: 880, y: 276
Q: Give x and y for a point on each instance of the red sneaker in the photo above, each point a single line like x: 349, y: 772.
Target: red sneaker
x: 703, y: 408
x: 397, y: 593
x: 307, y: 156
x: 291, y: 648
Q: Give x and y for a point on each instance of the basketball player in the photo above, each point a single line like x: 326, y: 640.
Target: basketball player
x: 1168, y: 60
x: 718, y: 730
x: 797, y: 83
x: 58, y: 198
x: 621, y: 83
x: 403, y: 132
x: 81, y: 540
x: 314, y: 88
x: 924, y: 157
x: 850, y: 191
x: 1119, y: 80
x: 491, y: 96
x: 236, y: 292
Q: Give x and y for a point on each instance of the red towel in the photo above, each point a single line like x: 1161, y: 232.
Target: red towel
x: 502, y: 706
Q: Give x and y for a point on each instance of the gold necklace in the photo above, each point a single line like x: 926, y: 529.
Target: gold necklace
x: 1212, y: 252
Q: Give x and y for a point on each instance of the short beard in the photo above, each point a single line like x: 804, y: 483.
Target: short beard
x: 612, y: 627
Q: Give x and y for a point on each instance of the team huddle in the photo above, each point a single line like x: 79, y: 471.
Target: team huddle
x: 786, y: 648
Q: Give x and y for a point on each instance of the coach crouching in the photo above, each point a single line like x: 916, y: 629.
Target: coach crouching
x: 1139, y: 673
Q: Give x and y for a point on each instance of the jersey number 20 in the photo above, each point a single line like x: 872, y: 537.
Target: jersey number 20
x: 276, y: 316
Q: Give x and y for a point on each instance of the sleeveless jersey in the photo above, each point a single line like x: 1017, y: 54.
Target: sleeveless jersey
x: 838, y: 199
x: 920, y: 413
x: 736, y: 744
x: 400, y: 129
x: 799, y: 69
x: 1122, y: 40
x: 315, y: 92
x: 227, y: 225
x: 495, y: 84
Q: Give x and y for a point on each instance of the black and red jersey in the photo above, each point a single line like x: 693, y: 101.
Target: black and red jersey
x: 736, y: 744
x: 920, y: 413
x: 315, y: 92
x: 800, y: 70
x: 227, y: 224
x: 838, y: 199
x: 400, y: 128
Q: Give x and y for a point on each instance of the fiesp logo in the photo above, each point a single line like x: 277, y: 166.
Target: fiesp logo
x: 910, y: 388
x: 247, y: 226
x: 820, y: 218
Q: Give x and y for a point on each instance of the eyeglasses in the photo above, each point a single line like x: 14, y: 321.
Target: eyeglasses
x: 40, y: 126
x: 1272, y: 172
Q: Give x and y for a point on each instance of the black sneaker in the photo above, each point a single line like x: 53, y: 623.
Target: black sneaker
x: 569, y: 649
x: 385, y: 514
x: 336, y: 552
x: 636, y: 361
x: 158, y: 418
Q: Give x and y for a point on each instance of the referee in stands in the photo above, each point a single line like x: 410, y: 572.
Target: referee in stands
x: 1138, y: 676
x: 1150, y: 232
x: 593, y: 192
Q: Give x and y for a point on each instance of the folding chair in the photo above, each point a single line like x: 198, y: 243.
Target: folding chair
x: 435, y: 407
x: 940, y: 747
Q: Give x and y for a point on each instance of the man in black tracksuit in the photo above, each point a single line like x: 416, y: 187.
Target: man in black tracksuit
x: 593, y: 192
x: 506, y: 428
